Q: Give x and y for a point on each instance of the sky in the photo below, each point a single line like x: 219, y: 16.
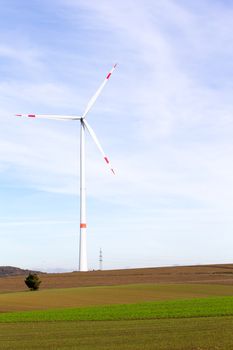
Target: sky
x: 165, y: 119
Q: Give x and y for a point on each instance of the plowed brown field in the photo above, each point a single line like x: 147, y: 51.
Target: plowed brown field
x: 205, y: 274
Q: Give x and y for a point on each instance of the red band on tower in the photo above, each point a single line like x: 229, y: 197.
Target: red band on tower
x: 83, y: 225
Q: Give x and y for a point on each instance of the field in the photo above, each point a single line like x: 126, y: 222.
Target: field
x: 214, y: 333
x: 181, y: 308
x: 204, y: 307
x: 216, y: 274
x: 91, y: 296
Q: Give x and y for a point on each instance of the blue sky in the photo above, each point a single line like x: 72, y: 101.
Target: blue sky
x: 165, y: 119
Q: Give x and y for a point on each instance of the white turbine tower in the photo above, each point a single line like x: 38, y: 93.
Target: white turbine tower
x: 83, y: 126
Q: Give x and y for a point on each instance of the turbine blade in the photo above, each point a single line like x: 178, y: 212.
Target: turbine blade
x: 50, y: 116
x: 95, y: 96
x: 93, y: 135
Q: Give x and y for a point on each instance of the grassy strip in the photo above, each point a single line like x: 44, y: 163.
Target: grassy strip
x: 204, y: 307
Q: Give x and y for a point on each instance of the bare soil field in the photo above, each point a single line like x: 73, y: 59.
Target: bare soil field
x: 204, y: 274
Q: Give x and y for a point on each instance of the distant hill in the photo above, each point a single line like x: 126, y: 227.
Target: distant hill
x: 14, y: 271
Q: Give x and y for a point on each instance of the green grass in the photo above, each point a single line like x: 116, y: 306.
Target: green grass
x: 205, y: 307
x: 213, y: 333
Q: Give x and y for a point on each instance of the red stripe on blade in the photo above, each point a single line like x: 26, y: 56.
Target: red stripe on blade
x: 18, y: 115
x: 106, y: 160
x: 31, y: 115
x: 108, y: 76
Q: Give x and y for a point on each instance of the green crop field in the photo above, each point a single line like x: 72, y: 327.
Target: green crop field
x: 205, y: 307
x: 146, y: 316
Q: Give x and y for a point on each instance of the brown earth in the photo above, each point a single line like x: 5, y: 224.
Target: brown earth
x: 205, y: 274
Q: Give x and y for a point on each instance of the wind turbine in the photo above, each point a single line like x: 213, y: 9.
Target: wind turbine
x: 83, y: 127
